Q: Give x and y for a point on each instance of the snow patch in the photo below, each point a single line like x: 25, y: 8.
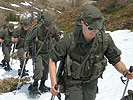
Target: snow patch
x: 25, y: 3
x: 15, y: 5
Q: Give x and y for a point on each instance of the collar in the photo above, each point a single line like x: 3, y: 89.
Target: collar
x: 81, y: 39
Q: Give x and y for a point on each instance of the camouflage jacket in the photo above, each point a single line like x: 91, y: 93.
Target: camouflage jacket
x: 6, y: 36
x: 21, y: 34
x: 75, y: 49
x: 44, y: 38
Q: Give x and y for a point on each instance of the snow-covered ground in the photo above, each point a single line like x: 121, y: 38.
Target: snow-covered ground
x: 110, y: 87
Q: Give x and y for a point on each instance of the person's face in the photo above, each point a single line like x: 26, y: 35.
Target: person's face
x: 88, y: 32
x: 26, y: 28
x: 45, y: 26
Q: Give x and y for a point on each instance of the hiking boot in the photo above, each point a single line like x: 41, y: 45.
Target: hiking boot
x: 8, y: 67
x: 33, y: 90
x: 24, y: 73
x: 3, y: 63
x: 44, y: 89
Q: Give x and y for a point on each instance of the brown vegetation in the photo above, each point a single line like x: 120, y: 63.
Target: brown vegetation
x: 119, y: 13
x: 10, y: 84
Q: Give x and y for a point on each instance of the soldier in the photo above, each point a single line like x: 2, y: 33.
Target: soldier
x: 85, y: 52
x: 19, y: 38
x: 4, y: 26
x: 5, y: 39
x: 44, y: 35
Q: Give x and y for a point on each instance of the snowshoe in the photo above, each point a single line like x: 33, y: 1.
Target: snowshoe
x: 44, y: 89
x: 33, y: 90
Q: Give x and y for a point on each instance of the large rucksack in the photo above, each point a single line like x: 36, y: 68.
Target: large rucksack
x: 129, y: 96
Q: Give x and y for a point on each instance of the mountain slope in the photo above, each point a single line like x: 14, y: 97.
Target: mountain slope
x: 118, y: 15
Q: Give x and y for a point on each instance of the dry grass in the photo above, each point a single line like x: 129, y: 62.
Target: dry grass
x: 66, y: 20
x: 15, y: 55
x: 10, y: 84
x: 118, y: 15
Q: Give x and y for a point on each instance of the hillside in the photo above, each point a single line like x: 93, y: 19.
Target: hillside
x: 119, y: 15
x: 19, y: 7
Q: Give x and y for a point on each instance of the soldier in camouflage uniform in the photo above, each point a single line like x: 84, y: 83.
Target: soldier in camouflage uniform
x: 85, y: 52
x: 3, y: 28
x: 6, y: 40
x: 19, y: 38
x: 44, y: 33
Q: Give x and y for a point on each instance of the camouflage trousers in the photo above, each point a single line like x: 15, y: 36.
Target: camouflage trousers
x: 21, y: 57
x: 81, y: 91
x: 41, y: 67
x: 6, y: 51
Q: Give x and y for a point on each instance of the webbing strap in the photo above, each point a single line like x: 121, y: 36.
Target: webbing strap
x: 91, y: 50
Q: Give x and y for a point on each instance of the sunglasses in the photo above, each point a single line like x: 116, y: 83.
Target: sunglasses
x: 89, y: 28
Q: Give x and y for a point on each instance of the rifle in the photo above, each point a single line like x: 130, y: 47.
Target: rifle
x: 131, y: 70
x: 13, y: 51
x: 58, y: 75
x: 0, y: 44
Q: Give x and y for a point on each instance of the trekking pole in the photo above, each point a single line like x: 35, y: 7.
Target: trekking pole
x: 0, y: 44
x: 33, y: 54
x: 58, y: 95
x: 131, y: 70
x: 13, y: 51
x: 19, y: 83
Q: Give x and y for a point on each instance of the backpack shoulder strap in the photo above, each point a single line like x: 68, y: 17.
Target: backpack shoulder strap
x: 72, y: 42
